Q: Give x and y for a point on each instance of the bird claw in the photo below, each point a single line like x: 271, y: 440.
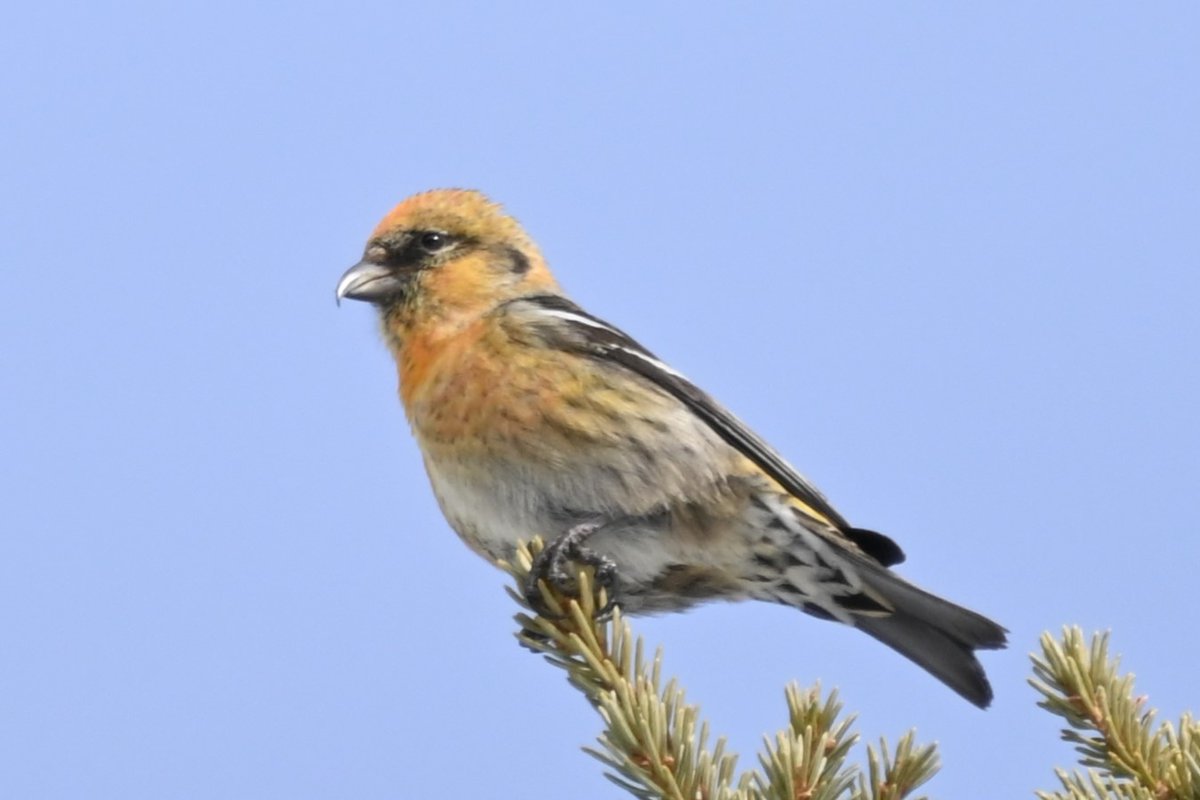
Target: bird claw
x: 605, y: 570
x: 551, y: 565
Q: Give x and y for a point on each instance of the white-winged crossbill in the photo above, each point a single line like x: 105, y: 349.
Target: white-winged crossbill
x: 535, y: 417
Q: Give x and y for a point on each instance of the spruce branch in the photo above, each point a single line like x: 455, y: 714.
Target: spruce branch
x: 1125, y: 753
x: 655, y: 744
x: 895, y: 777
x: 808, y: 759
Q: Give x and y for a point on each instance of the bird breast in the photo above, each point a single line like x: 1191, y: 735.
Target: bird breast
x: 515, y: 445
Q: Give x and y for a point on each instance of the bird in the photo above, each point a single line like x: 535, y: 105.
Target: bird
x: 535, y: 417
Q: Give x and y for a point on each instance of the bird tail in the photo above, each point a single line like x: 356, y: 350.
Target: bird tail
x: 934, y: 633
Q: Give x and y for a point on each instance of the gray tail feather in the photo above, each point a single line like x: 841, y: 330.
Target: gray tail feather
x: 934, y: 633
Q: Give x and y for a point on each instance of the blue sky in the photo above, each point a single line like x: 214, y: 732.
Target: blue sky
x: 945, y: 258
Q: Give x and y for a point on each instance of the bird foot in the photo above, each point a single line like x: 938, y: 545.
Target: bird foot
x: 552, y: 566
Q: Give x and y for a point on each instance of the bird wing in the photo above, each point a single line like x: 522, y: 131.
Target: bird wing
x: 938, y: 635
x: 570, y: 328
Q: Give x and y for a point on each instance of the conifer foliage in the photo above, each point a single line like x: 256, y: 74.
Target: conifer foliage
x: 654, y: 744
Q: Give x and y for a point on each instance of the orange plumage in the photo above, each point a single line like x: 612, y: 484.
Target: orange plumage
x: 536, y: 418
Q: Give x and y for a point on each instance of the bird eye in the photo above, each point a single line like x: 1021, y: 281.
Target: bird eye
x: 432, y: 241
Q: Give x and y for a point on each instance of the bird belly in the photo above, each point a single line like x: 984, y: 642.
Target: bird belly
x: 668, y: 558
x: 491, y: 510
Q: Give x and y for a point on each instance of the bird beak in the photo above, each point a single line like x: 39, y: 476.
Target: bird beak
x: 370, y: 282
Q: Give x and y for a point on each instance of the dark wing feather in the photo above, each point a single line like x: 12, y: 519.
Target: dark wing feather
x: 590, y: 336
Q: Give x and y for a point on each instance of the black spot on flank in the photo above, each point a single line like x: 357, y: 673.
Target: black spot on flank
x: 827, y: 574
x: 767, y: 563
x: 518, y: 262
x: 790, y: 559
x: 818, y: 612
x: 862, y: 604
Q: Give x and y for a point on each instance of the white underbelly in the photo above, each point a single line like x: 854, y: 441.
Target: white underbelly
x: 490, y: 512
x: 494, y: 510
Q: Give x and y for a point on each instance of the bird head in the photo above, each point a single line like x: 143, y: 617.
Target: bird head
x: 446, y: 252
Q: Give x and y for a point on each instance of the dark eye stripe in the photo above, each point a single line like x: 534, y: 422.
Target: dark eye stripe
x: 413, y: 248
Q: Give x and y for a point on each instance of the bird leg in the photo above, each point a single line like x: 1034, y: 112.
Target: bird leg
x: 551, y: 565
